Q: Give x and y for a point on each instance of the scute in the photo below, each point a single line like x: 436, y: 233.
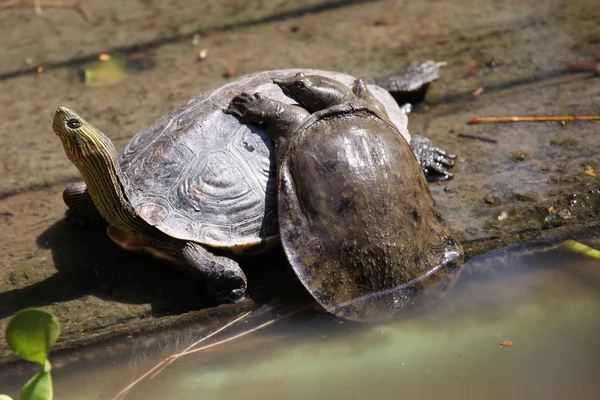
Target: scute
x: 211, y: 177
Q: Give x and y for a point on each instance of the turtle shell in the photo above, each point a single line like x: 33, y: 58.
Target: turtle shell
x: 357, y: 221
x: 199, y: 174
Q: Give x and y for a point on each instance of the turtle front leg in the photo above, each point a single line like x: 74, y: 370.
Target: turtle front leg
x: 82, y: 211
x: 279, y: 119
x: 434, y: 161
x: 222, y: 274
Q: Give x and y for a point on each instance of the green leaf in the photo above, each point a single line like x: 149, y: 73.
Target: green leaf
x: 30, y: 334
x: 38, y: 388
x: 5, y: 397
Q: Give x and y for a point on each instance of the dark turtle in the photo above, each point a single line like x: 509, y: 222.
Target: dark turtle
x: 357, y: 221
x: 197, y: 185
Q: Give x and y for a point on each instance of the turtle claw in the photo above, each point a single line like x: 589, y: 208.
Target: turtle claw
x: 247, y: 107
x: 434, y: 161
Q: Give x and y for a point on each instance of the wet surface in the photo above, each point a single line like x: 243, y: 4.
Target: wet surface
x: 523, y: 323
x: 536, y: 178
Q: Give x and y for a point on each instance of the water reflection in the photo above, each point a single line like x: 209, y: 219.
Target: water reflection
x: 547, y: 303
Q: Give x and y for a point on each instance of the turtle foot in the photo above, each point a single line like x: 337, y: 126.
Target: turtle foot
x: 434, y: 161
x: 248, y: 107
x: 410, y: 85
x: 224, y: 277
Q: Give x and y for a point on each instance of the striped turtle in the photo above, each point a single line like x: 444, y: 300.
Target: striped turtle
x: 197, y: 186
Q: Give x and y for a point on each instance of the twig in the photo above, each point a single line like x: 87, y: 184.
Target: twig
x: 477, y: 120
x: 171, y: 358
x: 584, y: 66
x: 39, y: 4
x: 483, y: 138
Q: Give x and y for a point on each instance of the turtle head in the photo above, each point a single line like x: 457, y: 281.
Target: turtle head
x: 81, y: 141
x: 314, y: 92
x: 96, y: 159
x: 296, y: 87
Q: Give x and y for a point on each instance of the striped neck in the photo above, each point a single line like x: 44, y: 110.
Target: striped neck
x: 104, y: 180
x: 94, y: 155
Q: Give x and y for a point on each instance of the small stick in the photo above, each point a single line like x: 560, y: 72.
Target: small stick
x: 483, y: 138
x: 171, y: 358
x: 583, y: 66
x: 168, y: 359
x: 477, y: 120
x: 174, y: 357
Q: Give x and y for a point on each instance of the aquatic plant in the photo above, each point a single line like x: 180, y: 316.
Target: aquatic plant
x: 30, y: 334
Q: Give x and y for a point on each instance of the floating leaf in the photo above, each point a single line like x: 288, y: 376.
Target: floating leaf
x: 39, y: 387
x: 30, y: 334
x: 106, y: 72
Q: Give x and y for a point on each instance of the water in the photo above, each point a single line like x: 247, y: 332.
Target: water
x: 547, y: 303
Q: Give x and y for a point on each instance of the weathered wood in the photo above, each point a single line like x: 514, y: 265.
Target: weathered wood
x: 59, y: 32
x: 519, y: 50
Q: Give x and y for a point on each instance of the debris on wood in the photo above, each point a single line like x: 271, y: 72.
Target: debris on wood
x: 584, y: 66
x: 483, y: 138
x: 195, y: 39
x: 472, y: 68
x: 489, y: 199
x: 202, y: 54
x: 105, y: 72
x: 589, y: 170
x: 136, y: 56
x: 383, y: 21
x: 478, y: 92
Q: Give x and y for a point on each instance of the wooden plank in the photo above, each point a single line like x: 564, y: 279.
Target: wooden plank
x: 58, y: 35
x: 92, y: 285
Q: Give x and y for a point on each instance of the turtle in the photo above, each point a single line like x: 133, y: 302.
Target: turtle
x: 357, y: 221
x: 198, y: 187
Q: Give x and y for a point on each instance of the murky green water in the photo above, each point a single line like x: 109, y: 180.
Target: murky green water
x: 546, y: 303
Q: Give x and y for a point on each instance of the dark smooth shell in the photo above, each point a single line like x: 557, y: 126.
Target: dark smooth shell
x: 199, y: 174
x: 357, y: 221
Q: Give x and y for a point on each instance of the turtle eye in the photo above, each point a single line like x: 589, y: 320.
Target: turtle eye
x: 73, y: 123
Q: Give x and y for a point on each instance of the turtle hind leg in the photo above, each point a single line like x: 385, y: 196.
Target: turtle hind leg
x: 223, y: 275
x: 82, y: 211
x: 410, y: 85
